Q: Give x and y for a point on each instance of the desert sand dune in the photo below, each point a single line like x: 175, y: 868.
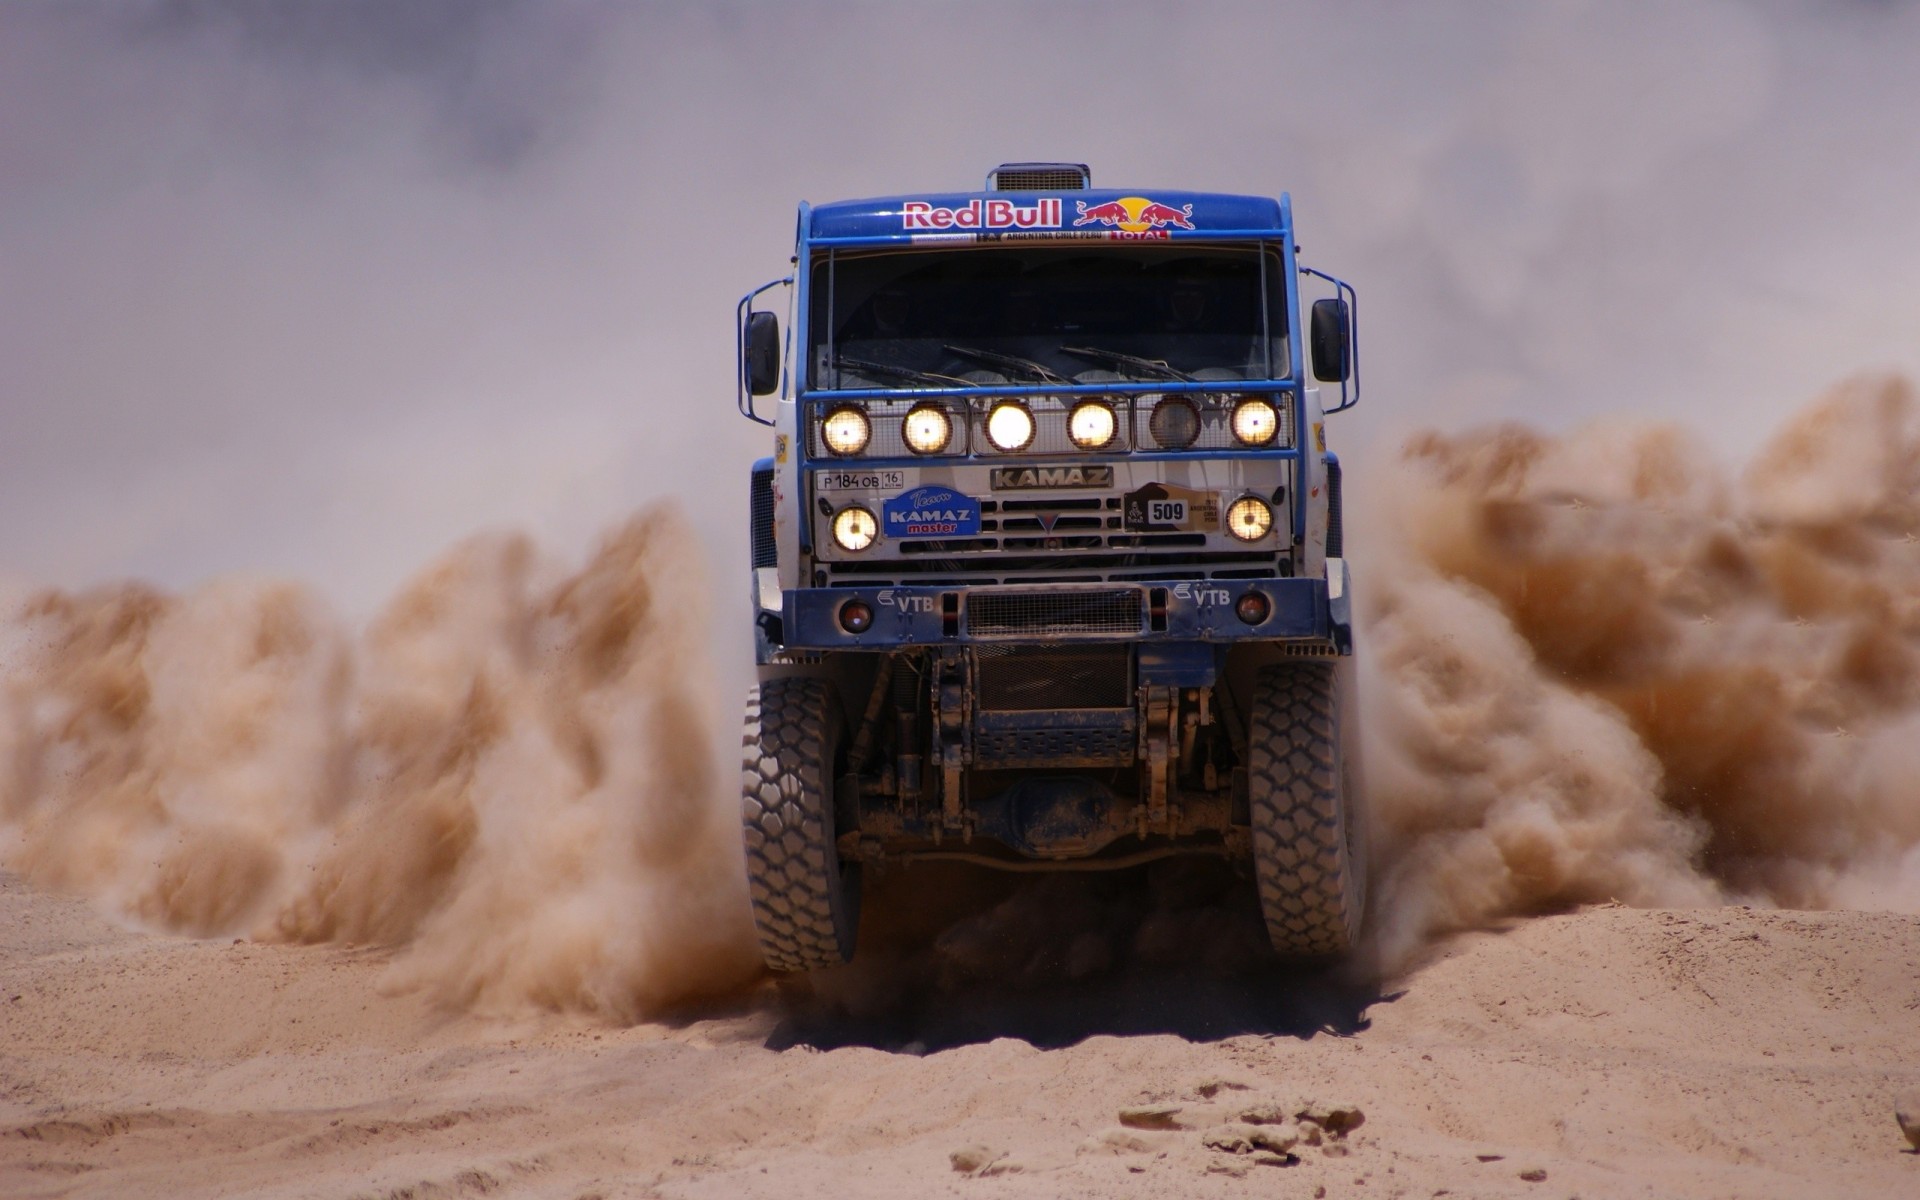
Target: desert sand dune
x: 1623, y: 1052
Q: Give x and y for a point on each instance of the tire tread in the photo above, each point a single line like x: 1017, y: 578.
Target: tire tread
x: 801, y: 905
x: 1311, y: 887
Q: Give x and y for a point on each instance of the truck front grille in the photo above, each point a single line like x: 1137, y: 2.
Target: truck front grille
x: 1057, y: 522
x: 1028, y: 614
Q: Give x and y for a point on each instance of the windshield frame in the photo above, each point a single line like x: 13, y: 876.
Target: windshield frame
x: 817, y: 305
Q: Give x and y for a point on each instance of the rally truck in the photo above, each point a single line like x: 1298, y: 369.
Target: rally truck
x: 1046, y: 563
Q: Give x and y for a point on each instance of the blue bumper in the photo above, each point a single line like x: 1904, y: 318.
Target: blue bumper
x: 1173, y: 611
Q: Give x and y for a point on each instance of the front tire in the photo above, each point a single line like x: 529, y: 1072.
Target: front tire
x: 1309, y: 846
x: 805, y: 904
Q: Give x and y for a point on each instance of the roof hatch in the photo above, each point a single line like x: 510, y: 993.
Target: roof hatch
x: 1039, y: 177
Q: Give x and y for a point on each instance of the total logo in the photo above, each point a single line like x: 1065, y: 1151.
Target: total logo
x: 1134, y: 214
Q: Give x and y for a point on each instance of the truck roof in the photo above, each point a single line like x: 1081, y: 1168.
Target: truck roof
x: 1148, y: 214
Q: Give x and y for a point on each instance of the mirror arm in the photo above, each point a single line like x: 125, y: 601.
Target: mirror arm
x: 744, y: 400
x: 1346, y: 292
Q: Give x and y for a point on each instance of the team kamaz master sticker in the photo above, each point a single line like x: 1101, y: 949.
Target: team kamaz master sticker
x: 931, y: 512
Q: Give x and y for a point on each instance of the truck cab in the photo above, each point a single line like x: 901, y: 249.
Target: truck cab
x: 1047, y: 562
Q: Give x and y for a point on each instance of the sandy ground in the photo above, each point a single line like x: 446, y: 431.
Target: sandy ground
x: 1622, y: 1052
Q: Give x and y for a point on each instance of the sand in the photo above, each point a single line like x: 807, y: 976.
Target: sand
x: 1623, y: 1052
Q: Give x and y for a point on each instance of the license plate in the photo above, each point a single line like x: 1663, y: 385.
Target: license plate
x: 860, y: 481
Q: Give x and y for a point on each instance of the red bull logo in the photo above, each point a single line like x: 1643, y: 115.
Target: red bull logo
x: 982, y: 214
x: 1134, y: 214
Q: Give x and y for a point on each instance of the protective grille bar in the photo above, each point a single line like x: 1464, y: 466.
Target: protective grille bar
x: 972, y: 548
x: 1135, y: 420
x: 760, y: 505
x: 1025, y: 614
x: 1031, y: 748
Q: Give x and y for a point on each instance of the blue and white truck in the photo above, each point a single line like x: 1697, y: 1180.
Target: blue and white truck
x: 1046, y: 564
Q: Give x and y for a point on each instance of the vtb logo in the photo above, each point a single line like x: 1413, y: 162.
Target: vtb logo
x: 1134, y: 214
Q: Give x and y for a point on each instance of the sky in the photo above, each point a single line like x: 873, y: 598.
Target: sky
x: 317, y: 289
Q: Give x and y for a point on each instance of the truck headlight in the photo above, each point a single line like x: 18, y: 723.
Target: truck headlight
x: 845, y: 431
x: 1010, y: 426
x: 1255, y: 421
x: 1249, y: 519
x: 1175, y: 423
x: 854, y: 528
x: 927, y: 429
x: 1091, y: 424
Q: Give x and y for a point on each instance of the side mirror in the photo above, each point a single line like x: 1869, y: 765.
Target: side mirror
x: 1331, y: 335
x: 762, y: 353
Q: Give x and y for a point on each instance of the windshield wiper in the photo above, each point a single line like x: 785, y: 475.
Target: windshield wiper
x: 926, y: 378
x: 1152, y: 368
x: 1008, y: 362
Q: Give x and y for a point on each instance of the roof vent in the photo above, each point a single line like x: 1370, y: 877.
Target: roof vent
x: 1039, y: 177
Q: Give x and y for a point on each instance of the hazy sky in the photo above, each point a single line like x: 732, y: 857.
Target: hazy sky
x: 317, y: 288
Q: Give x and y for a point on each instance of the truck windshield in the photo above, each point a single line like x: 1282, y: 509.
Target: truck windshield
x: 1036, y: 315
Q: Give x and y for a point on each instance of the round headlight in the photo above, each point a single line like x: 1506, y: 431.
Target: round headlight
x: 1091, y: 424
x: 1175, y: 423
x: 1255, y: 421
x: 854, y: 528
x: 1249, y: 519
x: 846, y: 431
x: 1010, y: 426
x: 927, y: 429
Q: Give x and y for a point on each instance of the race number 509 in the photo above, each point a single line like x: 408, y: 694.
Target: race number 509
x: 1166, y: 512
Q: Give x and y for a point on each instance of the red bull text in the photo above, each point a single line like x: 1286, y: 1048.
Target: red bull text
x: 983, y: 214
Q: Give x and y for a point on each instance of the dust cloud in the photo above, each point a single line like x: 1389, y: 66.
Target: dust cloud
x: 1604, y: 668
x: 1598, y: 667
x: 509, y: 774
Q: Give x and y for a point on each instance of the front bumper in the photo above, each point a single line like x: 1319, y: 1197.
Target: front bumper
x: 1171, y: 611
